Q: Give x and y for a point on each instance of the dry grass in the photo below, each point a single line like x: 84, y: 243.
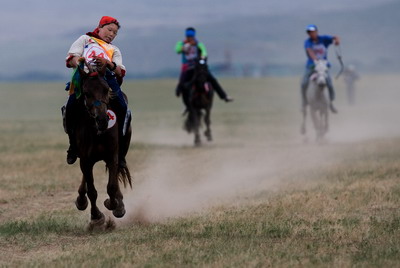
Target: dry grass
x: 258, y: 196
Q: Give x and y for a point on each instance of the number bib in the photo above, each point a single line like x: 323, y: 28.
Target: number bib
x: 319, y: 51
x: 92, y: 49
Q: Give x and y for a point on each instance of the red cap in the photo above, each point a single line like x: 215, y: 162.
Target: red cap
x: 107, y: 20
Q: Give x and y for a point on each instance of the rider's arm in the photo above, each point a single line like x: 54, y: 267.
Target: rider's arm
x: 203, y: 50
x: 309, y: 51
x: 75, y: 52
x: 117, y: 58
x: 179, y: 47
x: 311, y: 54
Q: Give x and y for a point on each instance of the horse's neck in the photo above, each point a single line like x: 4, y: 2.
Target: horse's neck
x: 83, y: 119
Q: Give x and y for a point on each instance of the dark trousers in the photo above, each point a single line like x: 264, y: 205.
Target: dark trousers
x: 184, y: 85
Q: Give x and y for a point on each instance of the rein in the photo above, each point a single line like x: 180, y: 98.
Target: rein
x: 338, y: 52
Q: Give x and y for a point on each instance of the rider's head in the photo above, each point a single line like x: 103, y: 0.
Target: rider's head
x: 190, y: 33
x: 312, y: 31
x: 107, y: 29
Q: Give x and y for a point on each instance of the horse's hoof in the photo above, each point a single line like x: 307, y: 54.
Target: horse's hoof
x: 107, y: 204
x: 197, y: 141
x: 97, y: 223
x: 81, y: 203
x: 110, y: 224
x: 208, y: 135
x: 120, y: 212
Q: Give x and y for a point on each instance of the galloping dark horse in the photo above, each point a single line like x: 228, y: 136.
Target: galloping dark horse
x: 97, y: 140
x: 200, y: 98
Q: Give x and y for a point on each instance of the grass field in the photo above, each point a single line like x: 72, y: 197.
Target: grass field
x: 259, y: 195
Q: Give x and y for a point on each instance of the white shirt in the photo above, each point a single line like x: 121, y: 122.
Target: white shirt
x: 84, y: 46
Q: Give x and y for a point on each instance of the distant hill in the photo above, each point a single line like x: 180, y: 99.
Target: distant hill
x: 369, y: 37
x: 263, y: 45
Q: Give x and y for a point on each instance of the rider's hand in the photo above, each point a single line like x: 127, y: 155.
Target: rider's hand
x: 100, y: 62
x: 186, y: 47
x: 336, y: 40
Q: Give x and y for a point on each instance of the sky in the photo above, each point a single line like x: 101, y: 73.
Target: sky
x: 33, y: 26
x: 31, y: 19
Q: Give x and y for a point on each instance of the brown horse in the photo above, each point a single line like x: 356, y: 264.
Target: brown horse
x: 200, y: 98
x: 97, y: 139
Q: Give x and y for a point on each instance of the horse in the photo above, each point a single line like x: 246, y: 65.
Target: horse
x: 200, y: 98
x: 318, y: 100
x: 97, y: 138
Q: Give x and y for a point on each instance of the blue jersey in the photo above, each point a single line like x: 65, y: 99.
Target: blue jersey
x: 320, y: 48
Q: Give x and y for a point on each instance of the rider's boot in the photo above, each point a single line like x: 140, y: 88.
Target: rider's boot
x: 217, y: 87
x: 72, y: 150
x: 69, y: 126
x: 228, y: 99
x: 332, y: 108
x: 178, y: 90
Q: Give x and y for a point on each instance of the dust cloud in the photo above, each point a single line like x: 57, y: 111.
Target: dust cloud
x: 175, y: 186
x: 187, y: 180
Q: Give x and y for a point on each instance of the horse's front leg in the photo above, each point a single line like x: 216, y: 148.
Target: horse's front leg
x: 303, y: 124
x: 97, y: 216
x: 81, y: 201
x: 207, y: 120
x: 326, y: 120
x: 316, y: 122
x: 197, y: 138
x: 115, y: 201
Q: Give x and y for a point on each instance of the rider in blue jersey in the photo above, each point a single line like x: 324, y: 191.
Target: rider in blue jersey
x: 316, y: 47
x: 193, y: 50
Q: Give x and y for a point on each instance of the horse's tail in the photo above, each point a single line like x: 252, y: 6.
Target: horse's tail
x: 191, y: 121
x: 124, y: 176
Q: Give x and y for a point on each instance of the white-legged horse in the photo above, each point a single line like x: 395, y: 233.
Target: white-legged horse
x: 318, y: 100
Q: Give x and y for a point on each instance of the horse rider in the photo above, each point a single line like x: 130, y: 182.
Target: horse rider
x: 97, y: 49
x: 350, y: 76
x: 193, y: 50
x: 316, y: 47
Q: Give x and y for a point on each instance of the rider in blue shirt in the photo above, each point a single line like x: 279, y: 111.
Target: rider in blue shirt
x: 316, y: 47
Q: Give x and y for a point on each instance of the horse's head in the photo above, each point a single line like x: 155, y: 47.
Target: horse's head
x: 95, y: 91
x: 320, y: 72
x: 201, y: 75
